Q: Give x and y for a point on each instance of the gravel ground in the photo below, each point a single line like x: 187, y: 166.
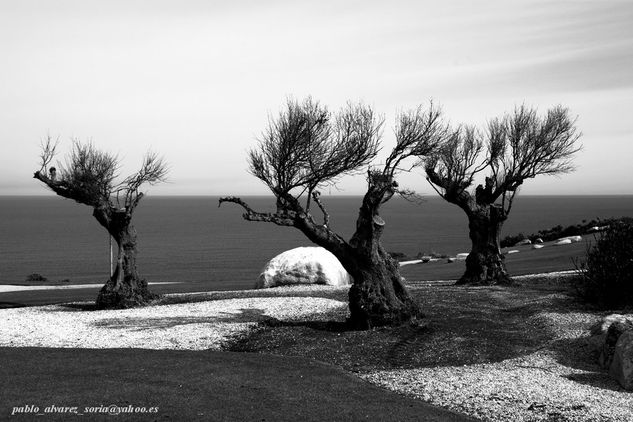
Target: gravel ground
x: 507, y: 354
x: 194, y: 326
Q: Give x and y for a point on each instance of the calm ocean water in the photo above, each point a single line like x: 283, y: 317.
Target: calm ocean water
x: 190, y: 239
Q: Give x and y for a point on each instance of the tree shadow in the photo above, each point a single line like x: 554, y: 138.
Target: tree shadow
x: 326, y: 292
x: 244, y: 315
x: 9, y: 305
x: 79, y: 306
x: 464, y: 326
x: 151, y: 323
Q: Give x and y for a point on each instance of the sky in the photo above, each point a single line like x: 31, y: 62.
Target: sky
x: 197, y: 80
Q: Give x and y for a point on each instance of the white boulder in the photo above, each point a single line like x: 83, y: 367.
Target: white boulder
x: 304, y: 265
x: 461, y: 256
x: 537, y: 246
x: 512, y: 251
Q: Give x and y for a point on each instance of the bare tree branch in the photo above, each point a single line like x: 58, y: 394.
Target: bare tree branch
x: 316, y: 195
x: 48, y: 152
x: 252, y: 215
x: 515, y: 148
x: 418, y: 133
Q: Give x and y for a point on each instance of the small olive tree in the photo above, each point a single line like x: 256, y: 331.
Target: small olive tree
x: 514, y: 148
x: 88, y: 177
x: 306, y: 148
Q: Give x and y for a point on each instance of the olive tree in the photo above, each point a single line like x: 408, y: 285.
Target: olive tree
x: 516, y: 147
x: 305, y: 148
x: 88, y: 177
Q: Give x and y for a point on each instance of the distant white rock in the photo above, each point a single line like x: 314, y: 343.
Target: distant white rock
x: 461, y: 256
x: 538, y: 240
x: 572, y: 239
x: 564, y: 241
x: 535, y: 246
x: 523, y: 242
x: 512, y: 251
x: 304, y: 265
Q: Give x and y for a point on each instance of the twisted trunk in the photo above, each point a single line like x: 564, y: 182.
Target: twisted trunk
x: 378, y: 296
x: 485, y: 263
x: 124, y: 289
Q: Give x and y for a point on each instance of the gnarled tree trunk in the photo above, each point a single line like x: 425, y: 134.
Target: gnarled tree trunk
x: 378, y: 296
x: 124, y: 289
x: 485, y: 263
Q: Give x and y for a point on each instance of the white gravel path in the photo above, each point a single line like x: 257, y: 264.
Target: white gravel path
x: 193, y: 326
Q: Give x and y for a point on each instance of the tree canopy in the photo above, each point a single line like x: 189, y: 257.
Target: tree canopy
x: 89, y: 176
x: 513, y: 148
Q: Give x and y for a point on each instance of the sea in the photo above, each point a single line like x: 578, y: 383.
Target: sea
x: 190, y: 239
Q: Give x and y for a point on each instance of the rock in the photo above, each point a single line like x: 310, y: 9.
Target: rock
x: 461, y: 256
x: 535, y: 246
x: 614, y: 333
x: 538, y: 240
x: 304, y: 265
x: 523, y: 242
x: 603, y: 325
x: 560, y: 242
x: 512, y: 251
x: 568, y: 240
x: 622, y: 366
x: 449, y: 260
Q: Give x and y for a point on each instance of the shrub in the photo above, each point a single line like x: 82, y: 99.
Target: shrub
x: 36, y: 277
x: 512, y: 240
x: 607, y: 274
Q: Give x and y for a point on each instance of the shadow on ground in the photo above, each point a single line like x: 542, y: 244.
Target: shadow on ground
x: 464, y: 326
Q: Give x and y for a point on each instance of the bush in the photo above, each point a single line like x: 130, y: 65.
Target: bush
x: 607, y: 274
x: 512, y: 240
x: 36, y: 277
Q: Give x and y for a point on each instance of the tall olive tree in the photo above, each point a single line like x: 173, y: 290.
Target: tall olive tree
x: 88, y: 177
x: 516, y: 147
x: 305, y: 148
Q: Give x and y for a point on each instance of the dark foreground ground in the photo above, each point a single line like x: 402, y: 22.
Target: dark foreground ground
x: 192, y: 386
x: 527, y: 261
